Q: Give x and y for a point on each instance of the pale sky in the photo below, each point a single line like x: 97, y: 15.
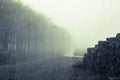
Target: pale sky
x: 87, y: 21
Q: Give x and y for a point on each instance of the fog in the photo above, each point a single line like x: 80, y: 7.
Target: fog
x: 46, y: 39
x: 31, y: 45
x: 87, y: 21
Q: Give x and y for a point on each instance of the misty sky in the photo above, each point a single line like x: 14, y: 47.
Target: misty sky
x: 87, y: 21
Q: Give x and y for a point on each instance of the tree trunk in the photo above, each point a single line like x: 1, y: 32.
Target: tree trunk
x: 5, y: 42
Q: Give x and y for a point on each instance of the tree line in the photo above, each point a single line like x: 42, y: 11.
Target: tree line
x: 24, y: 30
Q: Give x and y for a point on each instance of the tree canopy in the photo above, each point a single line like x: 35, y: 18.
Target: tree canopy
x: 22, y: 30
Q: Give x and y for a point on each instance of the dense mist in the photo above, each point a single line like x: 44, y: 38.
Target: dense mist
x: 52, y: 40
x: 22, y: 29
x: 31, y: 46
x: 87, y: 21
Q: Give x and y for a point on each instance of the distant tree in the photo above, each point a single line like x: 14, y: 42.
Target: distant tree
x: 18, y: 25
x: 22, y: 30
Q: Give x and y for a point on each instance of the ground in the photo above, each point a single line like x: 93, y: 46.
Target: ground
x: 52, y: 68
